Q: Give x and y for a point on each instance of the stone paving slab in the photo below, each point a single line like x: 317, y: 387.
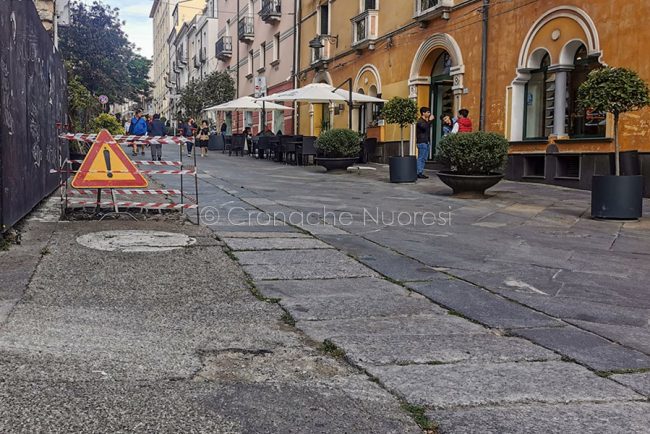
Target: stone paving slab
x: 425, y: 325
x: 256, y: 235
x: 640, y: 382
x: 586, y: 311
x: 631, y: 336
x: 301, y: 264
x: 275, y: 243
x: 587, y: 348
x: 481, y: 305
x: 356, y: 306
x: 381, y: 259
x: 464, y: 385
x: 368, y: 287
x: 583, y: 418
x: 287, y: 257
x: 422, y: 349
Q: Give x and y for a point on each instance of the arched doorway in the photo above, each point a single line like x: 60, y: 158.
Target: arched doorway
x: 367, y: 82
x: 441, y: 97
x: 436, y: 80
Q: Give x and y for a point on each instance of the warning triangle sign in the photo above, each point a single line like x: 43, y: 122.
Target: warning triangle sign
x: 107, y: 166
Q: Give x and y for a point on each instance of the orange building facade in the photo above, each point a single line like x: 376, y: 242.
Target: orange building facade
x: 538, y: 53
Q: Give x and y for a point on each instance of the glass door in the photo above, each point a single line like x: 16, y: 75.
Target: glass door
x: 442, y: 103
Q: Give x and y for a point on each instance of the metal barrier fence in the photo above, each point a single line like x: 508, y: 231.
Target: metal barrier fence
x: 33, y: 99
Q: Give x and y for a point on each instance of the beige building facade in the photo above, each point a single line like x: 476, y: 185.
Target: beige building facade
x: 255, y: 42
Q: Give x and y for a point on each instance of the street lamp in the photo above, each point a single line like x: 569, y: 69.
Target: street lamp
x: 317, y: 42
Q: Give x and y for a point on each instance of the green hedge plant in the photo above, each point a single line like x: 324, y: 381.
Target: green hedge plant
x: 477, y: 153
x: 615, y: 91
x: 339, y: 143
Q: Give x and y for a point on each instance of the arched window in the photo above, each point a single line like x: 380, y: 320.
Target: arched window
x: 581, y: 122
x: 538, y: 112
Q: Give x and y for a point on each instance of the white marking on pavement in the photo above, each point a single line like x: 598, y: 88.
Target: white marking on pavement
x: 523, y: 285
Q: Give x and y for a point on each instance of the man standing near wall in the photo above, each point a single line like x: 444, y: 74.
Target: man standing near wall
x: 423, y: 137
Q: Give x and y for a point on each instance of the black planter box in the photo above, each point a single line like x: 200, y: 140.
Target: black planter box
x: 335, y: 163
x: 403, y: 169
x: 617, y: 197
x: 469, y: 185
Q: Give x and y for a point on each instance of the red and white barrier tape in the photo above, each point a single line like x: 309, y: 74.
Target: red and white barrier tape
x: 124, y: 204
x: 120, y: 138
x: 93, y: 192
x: 142, y: 162
x: 144, y: 172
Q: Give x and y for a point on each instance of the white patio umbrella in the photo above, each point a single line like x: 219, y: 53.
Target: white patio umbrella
x: 321, y: 93
x: 247, y: 104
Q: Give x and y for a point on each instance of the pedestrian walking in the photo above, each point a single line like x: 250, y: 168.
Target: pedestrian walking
x: 138, y: 127
x: 463, y: 123
x: 423, y: 138
x: 188, y: 133
x: 157, y: 129
x: 203, y: 138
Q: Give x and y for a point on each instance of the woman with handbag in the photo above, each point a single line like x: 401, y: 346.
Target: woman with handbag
x: 203, y: 137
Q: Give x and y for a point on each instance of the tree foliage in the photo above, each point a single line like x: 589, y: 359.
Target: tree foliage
x: 216, y: 88
x: 616, y: 91
x: 192, y: 99
x: 82, y: 105
x: 106, y: 122
x: 98, y: 52
x: 475, y: 153
x: 401, y: 111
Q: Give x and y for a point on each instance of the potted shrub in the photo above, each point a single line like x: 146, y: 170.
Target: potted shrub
x: 338, y: 148
x: 615, y: 91
x: 404, y: 112
x: 475, y: 161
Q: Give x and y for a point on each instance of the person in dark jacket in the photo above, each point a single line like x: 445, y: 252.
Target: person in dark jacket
x: 203, y: 138
x: 188, y: 131
x: 423, y: 139
x: 157, y: 129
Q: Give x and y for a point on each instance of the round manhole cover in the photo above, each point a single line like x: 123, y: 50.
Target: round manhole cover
x: 135, y: 241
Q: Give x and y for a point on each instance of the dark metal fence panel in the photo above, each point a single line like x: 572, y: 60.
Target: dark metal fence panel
x: 33, y: 99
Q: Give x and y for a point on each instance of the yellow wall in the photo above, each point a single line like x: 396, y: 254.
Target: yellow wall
x: 621, y: 28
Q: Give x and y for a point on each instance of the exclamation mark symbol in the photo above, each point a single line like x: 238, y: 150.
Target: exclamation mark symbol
x: 107, y: 159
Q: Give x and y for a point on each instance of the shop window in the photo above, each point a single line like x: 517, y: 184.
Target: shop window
x: 540, y: 93
x: 581, y: 122
x: 534, y: 166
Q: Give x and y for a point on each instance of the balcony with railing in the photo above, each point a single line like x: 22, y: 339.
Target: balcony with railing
x: 246, y: 28
x: 271, y: 10
x: 224, y: 48
x: 365, y: 28
x: 427, y: 10
x: 181, y: 56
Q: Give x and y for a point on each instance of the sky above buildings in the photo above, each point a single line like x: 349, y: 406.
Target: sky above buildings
x: 138, y: 24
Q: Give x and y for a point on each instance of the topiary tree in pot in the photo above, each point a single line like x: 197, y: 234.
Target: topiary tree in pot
x: 338, y: 148
x: 404, y: 112
x: 615, y: 91
x: 475, y: 161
